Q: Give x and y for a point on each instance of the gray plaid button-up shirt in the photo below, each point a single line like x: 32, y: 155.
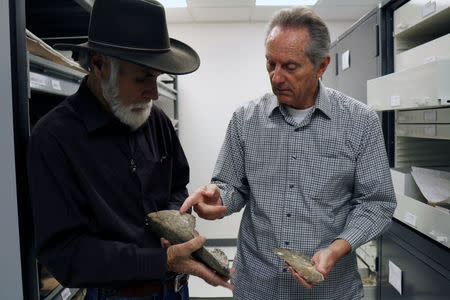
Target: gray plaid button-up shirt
x: 303, y: 186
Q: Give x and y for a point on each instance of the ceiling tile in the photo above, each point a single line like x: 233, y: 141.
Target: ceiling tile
x: 221, y: 14
x: 348, y: 2
x: 245, y: 11
x: 220, y: 3
x: 342, y: 13
x: 263, y: 13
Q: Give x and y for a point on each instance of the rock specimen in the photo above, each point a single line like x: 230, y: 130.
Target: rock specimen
x: 302, y: 264
x: 179, y: 228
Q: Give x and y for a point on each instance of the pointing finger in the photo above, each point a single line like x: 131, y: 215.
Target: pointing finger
x: 190, y: 201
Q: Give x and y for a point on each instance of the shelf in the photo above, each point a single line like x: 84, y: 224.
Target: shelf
x: 418, y: 19
x: 422, y: 86
x: 430, y: 131
x: 436, y: 49
x: 427, y: 116
x: 432, y: 221
x: 166, y: 92
x: 49, y: 77
x: 61, y: 293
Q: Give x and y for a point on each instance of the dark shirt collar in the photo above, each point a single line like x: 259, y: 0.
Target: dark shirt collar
x: 90, y: 109
x: 322, y: 102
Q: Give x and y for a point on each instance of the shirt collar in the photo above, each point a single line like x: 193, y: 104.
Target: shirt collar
x: 322, y: 102
x: 90, y: 109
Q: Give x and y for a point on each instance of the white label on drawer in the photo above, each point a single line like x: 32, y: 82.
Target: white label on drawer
x: 410, y: 219
x: 429, y: 130
x: 65, y: 294
x: 56, y: 84
x: 429, y: 115
x: 395, y: 100
x: 37, y: 80
x: 346, y: 60
x: 395, y: 277
x: 429, y: 8
x: 429, y: 59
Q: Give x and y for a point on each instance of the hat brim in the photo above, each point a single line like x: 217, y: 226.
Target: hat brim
x: 180, y: 59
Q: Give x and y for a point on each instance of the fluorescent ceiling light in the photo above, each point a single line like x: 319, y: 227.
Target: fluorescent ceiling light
x: 173, y: 3
x: 284, y: 2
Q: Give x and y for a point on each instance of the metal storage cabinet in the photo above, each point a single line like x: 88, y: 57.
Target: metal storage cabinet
x: 362, y: 43
x: 417, y: 242
x: 424, y: 265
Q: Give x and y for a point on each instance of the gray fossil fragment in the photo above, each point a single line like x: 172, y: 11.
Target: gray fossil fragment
x: 179, y: 228
x: 302, y: 264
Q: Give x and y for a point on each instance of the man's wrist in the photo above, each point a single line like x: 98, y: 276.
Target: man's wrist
x: 339, y: 248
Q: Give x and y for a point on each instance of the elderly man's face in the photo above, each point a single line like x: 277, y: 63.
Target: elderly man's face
x: 129, y: 91
x: 293, y: 77
x: 137, y: 84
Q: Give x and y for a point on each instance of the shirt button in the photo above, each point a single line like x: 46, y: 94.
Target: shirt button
x: 291, y: 186
x: 288, y: 215
x: 286, y: 243
x: 294, y: 157
x: 285, y: 270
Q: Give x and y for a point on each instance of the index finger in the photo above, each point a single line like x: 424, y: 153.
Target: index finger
x: 190, y: 201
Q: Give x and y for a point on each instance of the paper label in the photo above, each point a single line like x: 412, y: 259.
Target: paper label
x: 56, y: 84
x: 429, y: 8
x: 429, y: 130
x: 429, y: 59
x: 65, y: 294
x: 430, y: 115
x: 395, y: 277
x: 410, y: 219
x: 395, y: 100
x: 37, y: 80
x: 346, y: 60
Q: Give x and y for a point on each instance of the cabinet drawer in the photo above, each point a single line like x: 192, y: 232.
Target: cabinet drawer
x: 434, y: 131
x: 422, y: 277
x: 416, y: 12
x: 438, y: 115
x: 425, y: 85
x: 436, y: 49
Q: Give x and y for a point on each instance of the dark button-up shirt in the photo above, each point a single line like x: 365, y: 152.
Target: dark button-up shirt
x: 303, y: 185
x: 92, y: 182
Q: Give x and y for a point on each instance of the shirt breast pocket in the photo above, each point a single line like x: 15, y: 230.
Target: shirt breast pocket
x: 331, y: 176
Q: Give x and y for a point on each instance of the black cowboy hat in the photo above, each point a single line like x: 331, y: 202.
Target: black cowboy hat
x: 136, y: 31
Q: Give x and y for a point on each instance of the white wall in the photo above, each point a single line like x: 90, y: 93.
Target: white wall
x: 232, y: 72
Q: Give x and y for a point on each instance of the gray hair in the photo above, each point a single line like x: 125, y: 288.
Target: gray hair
x: 84, y: 59
x: 297, y: 17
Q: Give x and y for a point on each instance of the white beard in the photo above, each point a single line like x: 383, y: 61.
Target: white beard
x: 125, y: 113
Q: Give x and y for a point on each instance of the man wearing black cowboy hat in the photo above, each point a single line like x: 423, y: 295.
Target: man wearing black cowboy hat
x: 105, y: 157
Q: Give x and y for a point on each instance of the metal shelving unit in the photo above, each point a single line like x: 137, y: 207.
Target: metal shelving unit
x: 417, y: 126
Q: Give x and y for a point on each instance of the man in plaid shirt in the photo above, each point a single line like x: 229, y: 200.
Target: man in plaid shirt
x: 308, y: 163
